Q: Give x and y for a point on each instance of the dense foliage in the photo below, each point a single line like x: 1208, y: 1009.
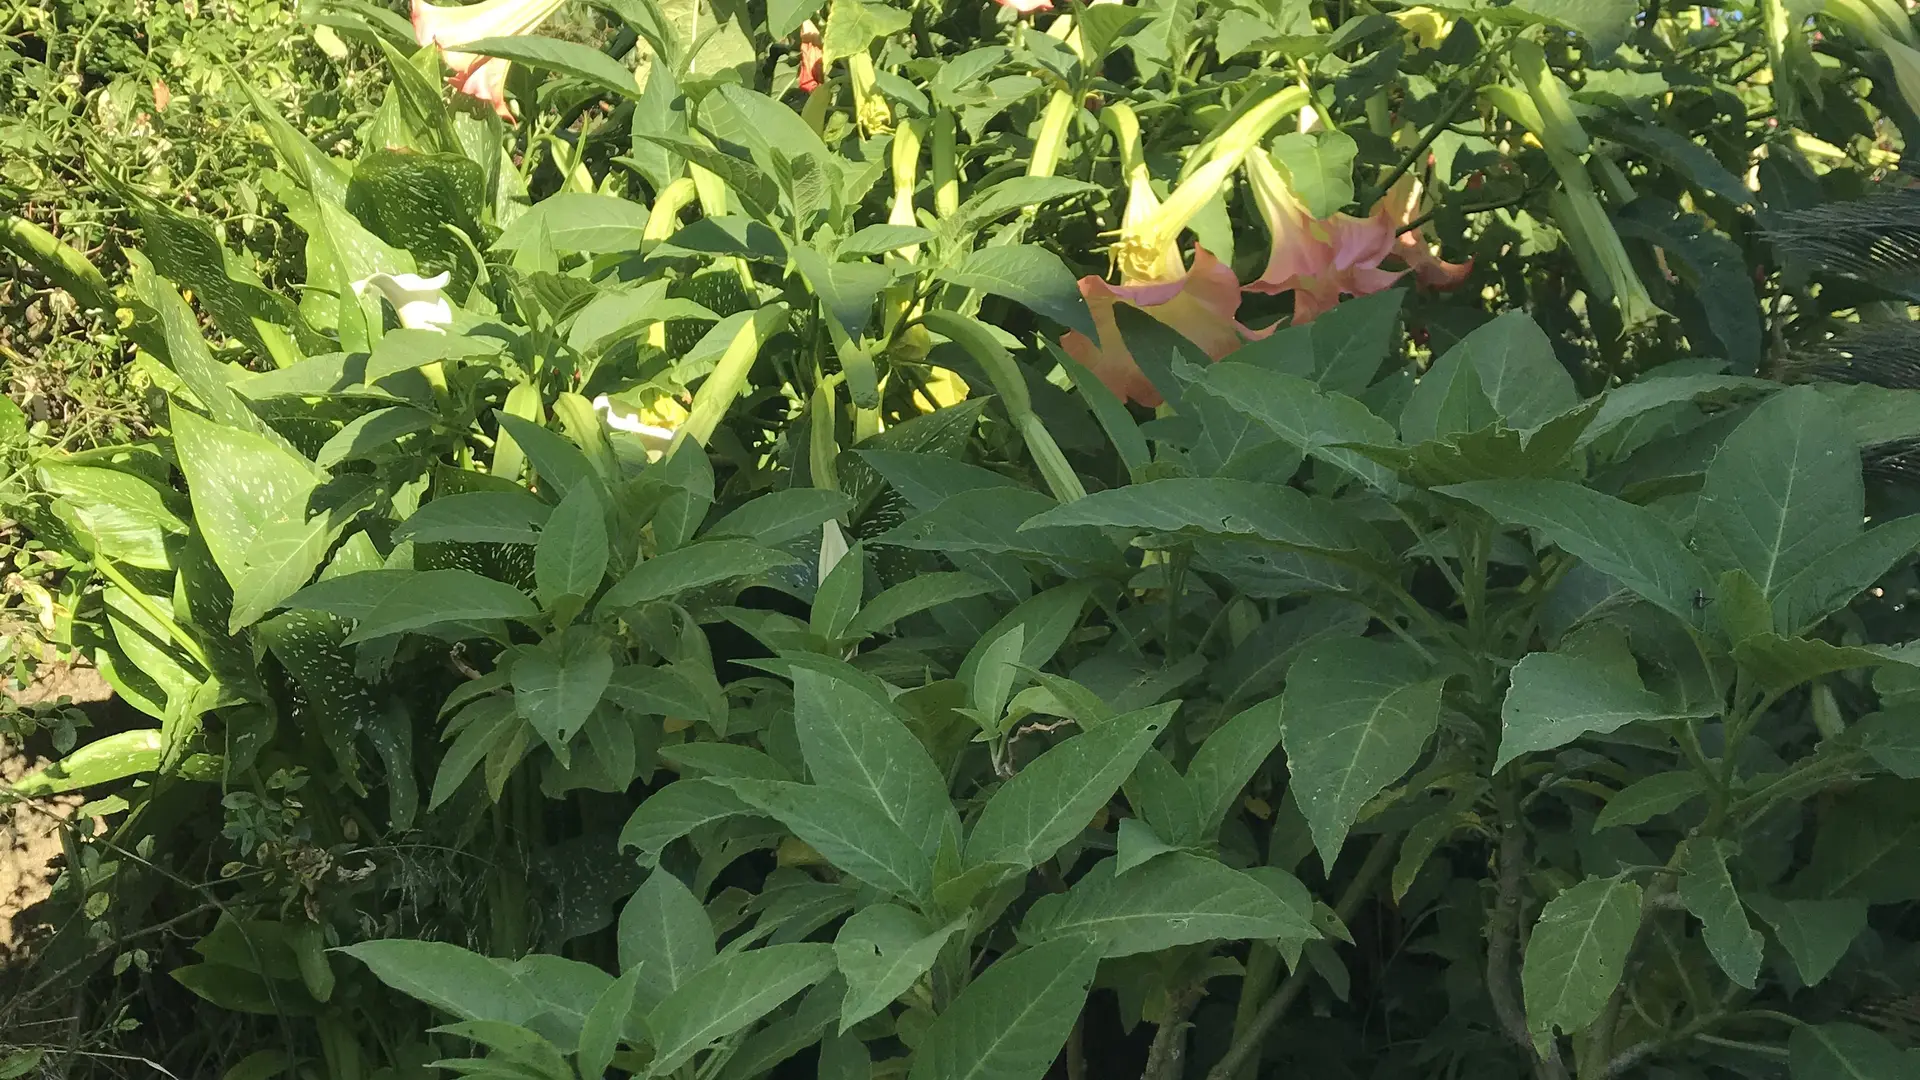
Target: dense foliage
x: 723, y: 540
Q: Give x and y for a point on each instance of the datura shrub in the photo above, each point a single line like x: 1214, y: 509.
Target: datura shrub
x: 973, y: 543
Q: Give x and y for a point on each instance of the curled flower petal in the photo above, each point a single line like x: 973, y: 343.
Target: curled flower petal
x: 418, y: 301
x: 1026, y: 7
x: 812, y: 58
x: 481, y: 77
x: 1319, y: 260
x: 1201, y: 305
x: 1402, y: 205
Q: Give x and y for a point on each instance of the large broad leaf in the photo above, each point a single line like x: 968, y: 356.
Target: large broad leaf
x: 558, y: 683
x: 1010, y: 1023
x: 1174, y: 899
x: 1049, y: 801
x: 728, y: 995
x: 1816, y: 933
x: 1319, y: 168
x: 1516, y: 368
x: 1576, y: 954
x: 1310, y: 420
x: 245, y: 489
x: 1554, y: 698
x: 1845, y: 1052
x: 779, y: 516
x: 1616, y: 538
x: 449, y: 978
x: 425, y: 598
x: 126, y: 516
x: 1028, y: 275
x: 1780, y: 664
x: 578, y: 222
x: 1829, y: 583
x: 1214, y: 507
x: 1783, y: 493
x: 1649, y: 797
x: 1864, y: 849
x: 883, y: 949
x: 565, y: 57
x: 1715, y: 268
x: 1356, y: 715
x: 477, y: 517
x: 572, y: 554
x: 706, y: 563
x: 1228, y: 758
x: 849, y: 831
x: 665, y: 934
x: 1707, y: 889
x: 855, y: 744
x: 673, y: 812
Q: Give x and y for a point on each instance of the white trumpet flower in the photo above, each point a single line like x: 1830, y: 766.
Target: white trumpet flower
x: 420, y: 302
x: 658, y: 439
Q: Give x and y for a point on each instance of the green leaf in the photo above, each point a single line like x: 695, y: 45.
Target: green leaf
x: 1707, y: 889
x: 1845, y: 1052
x: 1781, y: 664
x: 1319, y: 167
x: 1010, y: 1023
x: 756, y: 190
x: 851, y: 832
x: 673, y: 812
x: 558, y: 683
x: 1604, y: 23
x: 1030, y: 276
x: 1830, y: 583
x: 1783, y: 492
x: 780, y: 516
x: 1176, y: 899
x: 565, y: 57
x: 577, y: 221
x: 1214, y: 507
x: 1514, y: 362
x: 665, y: 935
x: 922, y: 592
x: 423, y: 598
x: 486, y: 724
x: 1313, y: 422
x: 695, y: 566
x: 1816, y: 933
x: 1892, y: 738
x: 1692, y: 160
x: 1259, y: 663
x: 571, y: 558
x: 104, y: 760
x: 1864, y: 847
x: 1355, y: 717
x: 559, y: 464
x: 126, y: 515
x: 1228, y: 758
x: 600, y: 1036
x: 1049, y: 801
x: 728, y: 995
x: 858, y: 746
x: 1627, y: 542
x: 883, y: 949
x: 1019, y: 192
x: 1554, y: 698
x: 244, y: 488
x: 1649, y: 797
x: 1576, y: 954
x: 477, y: 517
x: 449, y: 978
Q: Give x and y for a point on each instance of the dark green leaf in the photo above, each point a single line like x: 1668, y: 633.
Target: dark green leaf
x: 1028, y: 275
x: 1010, y: 1023
x: 1176, y: 899
x: 1576, y: 954
x: 728, y: 995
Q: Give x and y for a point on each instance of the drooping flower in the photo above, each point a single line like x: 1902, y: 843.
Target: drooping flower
x: 812, y: 67
x: 656, y: 437
x: 1318, y: 259
x: 1402, y: 205
x: 419, y: 302
x: 1026, y: 7
x: 1200, y: 301
x: 482, y: 77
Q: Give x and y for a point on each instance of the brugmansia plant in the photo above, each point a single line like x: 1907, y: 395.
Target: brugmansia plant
x: 980, y: 548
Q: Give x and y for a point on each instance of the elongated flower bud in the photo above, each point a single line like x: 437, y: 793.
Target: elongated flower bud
x: 1560, y: 128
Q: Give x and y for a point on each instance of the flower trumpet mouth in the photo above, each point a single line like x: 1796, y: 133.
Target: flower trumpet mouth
x: 482, y: 77
x: 419, y: 302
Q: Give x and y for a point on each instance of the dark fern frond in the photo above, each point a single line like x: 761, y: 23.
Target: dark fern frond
x: 1876, y: 239
x: 1882, y: 354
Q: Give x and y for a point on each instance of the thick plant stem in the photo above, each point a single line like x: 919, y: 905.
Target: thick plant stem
x: 1263, y: 966
x: 1246, y: 1045
x: 1167, y: 1058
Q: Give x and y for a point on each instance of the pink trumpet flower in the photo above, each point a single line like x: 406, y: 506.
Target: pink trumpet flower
x: 1318, y: 259
x: 1026, y: 7
x: 812, y: 56
x: 482, y: 77
x: 1200, y: 303
x: 1403, y: 204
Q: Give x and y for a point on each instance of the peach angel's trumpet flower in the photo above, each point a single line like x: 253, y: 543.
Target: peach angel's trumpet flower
x: 1403, y: 203
x: 813, y: 69
x: 1026, y: 7
x: 482, y: 77
x: 1200, y: 301
x: 1318, y: 259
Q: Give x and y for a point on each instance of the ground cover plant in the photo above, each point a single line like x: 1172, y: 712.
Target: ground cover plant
x: 949, y: 541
